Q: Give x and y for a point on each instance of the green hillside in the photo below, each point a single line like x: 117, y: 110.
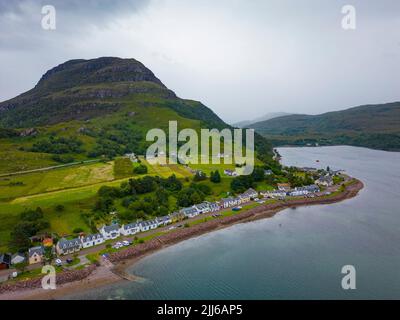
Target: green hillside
x: 85, y: 109
x: 80, y: 119
x: 372, y: 126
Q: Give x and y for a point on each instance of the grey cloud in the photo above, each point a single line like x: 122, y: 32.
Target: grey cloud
x: 241, y: 58
x: 20, y: 20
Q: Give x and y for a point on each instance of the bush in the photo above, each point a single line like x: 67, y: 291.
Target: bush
x: 199, y: 176
x: 58, y: 145
x: 140, y: 169
x: 32, y: 215
x: 63, y: 158
x: 59, y: 208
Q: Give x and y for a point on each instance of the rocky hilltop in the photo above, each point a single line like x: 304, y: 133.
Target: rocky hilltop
x: 79, y: 89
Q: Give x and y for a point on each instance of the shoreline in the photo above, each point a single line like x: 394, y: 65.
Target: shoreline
x: 102, y: 275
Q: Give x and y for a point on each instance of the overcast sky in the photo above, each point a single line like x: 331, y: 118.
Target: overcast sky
x: 241, y: 58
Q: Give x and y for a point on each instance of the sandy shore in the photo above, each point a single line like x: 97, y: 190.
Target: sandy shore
x: 104, y: 275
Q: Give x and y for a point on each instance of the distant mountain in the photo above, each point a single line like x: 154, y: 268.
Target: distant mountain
x: 248, y: 123
x: 93, y: 108
x: 372, y: 126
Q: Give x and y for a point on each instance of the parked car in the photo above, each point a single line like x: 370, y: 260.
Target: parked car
x: 125, y: 243
x: 69, y: 260
x: 58, y: 262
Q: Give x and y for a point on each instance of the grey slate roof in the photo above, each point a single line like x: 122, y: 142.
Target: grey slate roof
x: 325, y: 179
x: 147, y: 223
x: 310, y: 188
x: 164, y: 218
x: 92, y: 237
x: 131, y: 226
x: 113, y: 228
x: 228, y: 199
x: 203, y: 205
x: 38, y: 250
x: 68, y: 244
x: 188, y: 211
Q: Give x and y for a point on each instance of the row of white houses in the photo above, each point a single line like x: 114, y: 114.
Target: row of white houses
x: 242, y: 198
x: 296, y: 192
x: 115, y: 231
x: 110, y: 232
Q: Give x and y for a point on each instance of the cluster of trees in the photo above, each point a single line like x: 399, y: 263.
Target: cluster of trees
x: 297, y: 180
x: 32, y: 222
x: 155, y: 204
x: 57, y: 145
x: 158, y: 200
x: 107, y: 148
x: 116, y: 140
x: 199, y: 176
x: 242, y: 183
x: 215, y: 176
x: 63, y: 158
x: 140, y: 169
x: 194, y: 194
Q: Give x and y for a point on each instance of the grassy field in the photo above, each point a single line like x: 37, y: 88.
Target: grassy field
x: 166, y: 170
x: 53, y: 180
x: 74, y: 187
x: 12, y: 160
x: 123, y: 168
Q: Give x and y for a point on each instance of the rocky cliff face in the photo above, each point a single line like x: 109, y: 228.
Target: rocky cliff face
x: 102, y: 70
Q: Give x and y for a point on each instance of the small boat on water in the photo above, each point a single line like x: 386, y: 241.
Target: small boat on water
x: 316, y: 160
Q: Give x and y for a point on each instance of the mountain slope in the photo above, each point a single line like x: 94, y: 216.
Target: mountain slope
x: 374, y: 126
x: 80, y: 89
x: 268, y: 116
x: 93, y: 108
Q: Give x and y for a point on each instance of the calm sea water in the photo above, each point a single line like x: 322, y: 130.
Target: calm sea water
x: 298, y: 254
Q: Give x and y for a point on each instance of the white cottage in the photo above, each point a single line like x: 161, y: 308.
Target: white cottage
x: 214, y: 206
x: 203, y: 207
x: 110, y: 232
x: 148, y: 225
x: 65, y: 246
x: 130, y: 229
x: 92, y: 240
x: 190, y: 212
x: 230, y: 202
x: 163, y: 221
